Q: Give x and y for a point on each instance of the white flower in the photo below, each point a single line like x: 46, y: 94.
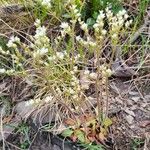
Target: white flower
x: 48, y: 99
x: 114, y: 36
x: 12, y: 41
x: 52, y: 58
x: 84, y: 26
x: 78, y: 38
x: 109, y: 13
x: 86, y: 72
x: 121, y: 12
x: 15, y: 39
x: 75, y: 11
x: 128, y: 23
x: 103, y: 32
x: 36, y: 101
x: 126, y: 16
x: 93, y: 44
x: 37, y: 22
x: 75, y: 68
x: 43, y: 51
x: 30, y: 102
x: 71, y: 91
x: 85, y: 43
x: 101, y: 16
x: 108, y: 72
x: 72, y: 72
x: 96, y: 25
x: 64, y: 25
x: 78, y: 15
x: 85, y: 86
x: 46, y: 3
x: 75, y: 96
x: 41, y: 31
x: 73, y: 7
x: 73, y: 83
x: 1, y: 49
x: 93, y: 75
x: 60, y: 55
x: 120, y: 22
x: 102, y: 67
x: 101, y: 24
x: 77, y: 57
x: 4, y: 52
x: 10, y: 71
x: 66, y: 28
x: 2, y: 70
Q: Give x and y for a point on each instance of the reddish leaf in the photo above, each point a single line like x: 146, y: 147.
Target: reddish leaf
x: 101, y: 137
x: 91, y: 138
x: 145, y: 123
x: 70, y: 122
x: 73, y: 138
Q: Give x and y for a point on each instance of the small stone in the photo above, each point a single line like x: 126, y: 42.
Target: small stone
x: 147, y: 98
x: 45, y: 115
x: 129, y: 102
x: 135, y: 99
x: 24, y: 110
x: 133, y: 107
x: 132, y: 126
x: 144, y: 105
x: 131, y: 113
x: 133, y: 93
x: 129, y: 119
x: 8, y: 129
x: 55, y: 147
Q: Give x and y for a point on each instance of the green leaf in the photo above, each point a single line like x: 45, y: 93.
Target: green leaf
x: 90, y: 21
x: 92, y: 146
x: 80, y: 135
x: 95, y: 14
x: 107, y: 122
x: 67, y: 16
x: 3, y: 43
x: 67, y: 132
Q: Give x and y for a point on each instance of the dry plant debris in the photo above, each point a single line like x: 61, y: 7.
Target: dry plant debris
x: 75, y: 80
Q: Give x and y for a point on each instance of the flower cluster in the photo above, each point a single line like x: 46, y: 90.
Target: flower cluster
x: 38, y: 101
x: 13, y: 41
x: 65, y: 28
x: 98, y: 26
x: 58, y: 56
x: 4, y: 52
x: 41, y: 41
x: 116, y: 22
x: 45, y: 3
x: 75, y: 88
x: 105, y: 73
x: 74, y: 13
x: 87, y: 78
x: 86, y: 43
x: 83, y: 26
x: 4, y: 71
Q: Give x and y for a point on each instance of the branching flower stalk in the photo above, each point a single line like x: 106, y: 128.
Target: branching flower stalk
x: 116, y: 26
x: 52, y: 65
x: 99, y: 35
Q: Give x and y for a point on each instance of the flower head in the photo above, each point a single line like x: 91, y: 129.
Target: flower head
x: 12, y: 41
x: 2, y: 70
